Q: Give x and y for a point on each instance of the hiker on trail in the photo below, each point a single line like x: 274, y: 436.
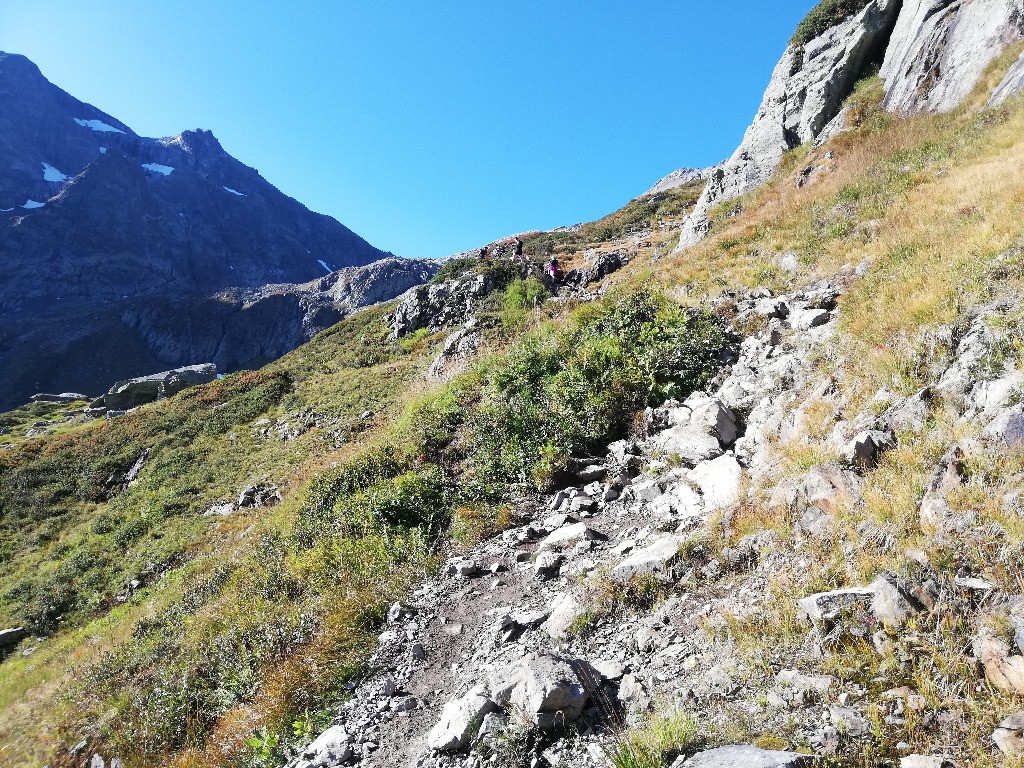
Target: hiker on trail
x: 553, y: 269
x: 483, y: 253
x: 517, y: 248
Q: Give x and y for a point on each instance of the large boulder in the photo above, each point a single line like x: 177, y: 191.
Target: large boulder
x: 806, y: 92
x: 456, y: 354
x: 459, y: 720
x: 690, y: 444
x: 63, y: 397
x: 1003, y: 670
x: 145, y: 389
x: 1009, y: 736
x: 10, y: 638
x: 719, y: 480
x: 940, y: 49
x: 546, y: 690
x: 657, y: 559
x: 566, y: 610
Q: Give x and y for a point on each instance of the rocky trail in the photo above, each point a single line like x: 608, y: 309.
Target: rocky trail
x: 620, y: 594
x: 512, y: 635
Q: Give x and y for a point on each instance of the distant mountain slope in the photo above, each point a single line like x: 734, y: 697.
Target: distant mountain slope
x: 95, y: 219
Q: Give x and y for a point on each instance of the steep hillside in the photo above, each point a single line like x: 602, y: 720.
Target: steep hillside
x: 751, y: 503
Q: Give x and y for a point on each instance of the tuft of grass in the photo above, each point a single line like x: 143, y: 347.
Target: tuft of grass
x: 656, y: 742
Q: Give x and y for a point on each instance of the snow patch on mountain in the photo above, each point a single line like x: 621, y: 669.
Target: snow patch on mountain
x: 157, y: 168
x: 322, y: 264
x: 52, y: 174
x: 235, y: 192
x: 30, y: 204
x: 97, y: 125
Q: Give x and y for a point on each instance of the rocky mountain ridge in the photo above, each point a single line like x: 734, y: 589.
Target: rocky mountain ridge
x: 931, y: 55
x: 122, y: 255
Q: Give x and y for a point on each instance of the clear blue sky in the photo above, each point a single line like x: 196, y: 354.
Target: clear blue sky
x: 427, y: 127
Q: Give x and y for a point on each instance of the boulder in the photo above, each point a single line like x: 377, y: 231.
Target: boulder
x: 1002, y: 670
x: 883, y: 600
x: 826, y: 607
x: 145, y: 389
x: 565, y: 611
x: 796, y: 689
x: 546, y: 690
x: 603, y: 265
x: 940, y: 49
x: 335, y: 739
x: 714, y: 417
x: 806, y: 319
x: 259, y: 495
x: 459, y: 720
x: 438, y: 306
x: 656, y: 559
x: 923, y: 761
x: 1007, y: 428
x: 888, y: 604
x: 719, y: 481
x: 690, y: 443
x: 63, y: 397
x: 679, y: 500
x: 568, y: 536
x: 1009, y: 736
x: 456, y: 354
x: 745, y: 756
x: 867, y: 447
x: 548, y: 565
x: 11, y: 637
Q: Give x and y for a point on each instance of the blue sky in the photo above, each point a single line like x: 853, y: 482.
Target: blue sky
x: 427, y: 127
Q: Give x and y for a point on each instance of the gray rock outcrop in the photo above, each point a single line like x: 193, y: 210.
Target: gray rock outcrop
x: 1011, y: 84
x: 146, y: 389
x: 680, y: 178
x: 438, y: 306
x: 940, y: 49
x: 806, y: 91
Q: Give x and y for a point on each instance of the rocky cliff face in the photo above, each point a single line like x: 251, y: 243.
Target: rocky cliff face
x: 806, y: 91
x: 88, y: 348
x: 932, y: 54
x: 115, y: 250
x: 940, y: 48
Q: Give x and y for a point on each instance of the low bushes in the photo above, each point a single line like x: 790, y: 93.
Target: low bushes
x: 823, y: 17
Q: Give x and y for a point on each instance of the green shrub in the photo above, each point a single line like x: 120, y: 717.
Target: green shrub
x: 523, y: 294
x: 824, y: 16
x: 564, y: 392
x: 452, y: 269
